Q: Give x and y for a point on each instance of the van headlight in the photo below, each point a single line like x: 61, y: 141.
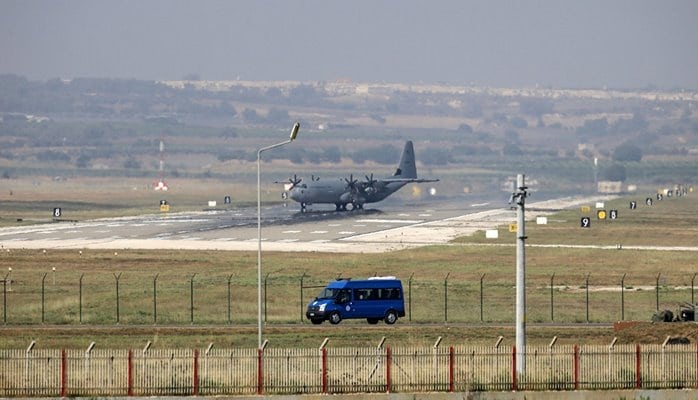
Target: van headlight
x: 322, y: 307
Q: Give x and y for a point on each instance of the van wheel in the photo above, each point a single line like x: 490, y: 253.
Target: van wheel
x: 390, y: 317
x: 372, y: 321
x: 335, y: 318
x: 316, y: 321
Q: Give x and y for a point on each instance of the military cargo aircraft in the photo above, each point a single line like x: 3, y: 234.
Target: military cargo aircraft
x: 352, y: 194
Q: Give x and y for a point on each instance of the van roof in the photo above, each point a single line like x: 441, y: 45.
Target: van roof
x: 368, y: 283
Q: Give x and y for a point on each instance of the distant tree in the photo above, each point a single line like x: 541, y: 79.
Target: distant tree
x: 512, y: 137
x: 250, y: 115
x: 511, y: 149
x: 593, y: 127
x: 465, y: 128
x: 50, y: 155
x: 637, y: 124
x: 332, y: 154
x: 132, y: 163
x: 627, y: 152
x: 83, y: 161
x: 614, y: 172
x: 226, y: 109
x: 436, y: 156
x: 536, y: 107
x: 518, y: 122
x: 277, y: 116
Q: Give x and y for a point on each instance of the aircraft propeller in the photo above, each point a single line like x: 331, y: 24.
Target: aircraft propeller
x: 352, y: 184
x: 370, y: 182
x: 294, y: 181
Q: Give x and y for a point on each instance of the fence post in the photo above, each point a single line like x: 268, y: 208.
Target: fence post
x: 638, y: 362
x: 446, y: 297
x: 64, y: 374
x: 586, y: 285
x: 451, y: 374
x: 129, y: 373
x: 80, y: 297
x: 155, y: 299
x: 301, y: 294
x: 196, y: 372
x: 230, y: 321
x: 388, y: 361
x: 482, y: 277
x: 43, y: 279
x: 409, y: 289
x: 117, y: 277
x: 657, y: 289
x: 622, y: 298
x: 552, y: 304
x: 191, y: 299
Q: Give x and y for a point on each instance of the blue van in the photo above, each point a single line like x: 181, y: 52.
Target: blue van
x: 378, y: 298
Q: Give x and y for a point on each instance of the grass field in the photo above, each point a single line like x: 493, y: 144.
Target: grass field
x: 463, y: 292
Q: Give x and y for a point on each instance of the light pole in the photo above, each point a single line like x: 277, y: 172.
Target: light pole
x: 292, y: 137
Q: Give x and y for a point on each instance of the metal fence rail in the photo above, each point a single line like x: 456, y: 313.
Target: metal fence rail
x: 173, y: 372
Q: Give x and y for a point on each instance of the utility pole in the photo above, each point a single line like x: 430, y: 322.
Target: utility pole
x: 519, y: 197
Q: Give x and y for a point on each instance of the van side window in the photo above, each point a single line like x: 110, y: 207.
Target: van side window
x: 391, y: 294
x: 344, y: 296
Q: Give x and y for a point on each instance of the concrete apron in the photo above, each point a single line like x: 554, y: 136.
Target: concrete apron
x: 686, y: 394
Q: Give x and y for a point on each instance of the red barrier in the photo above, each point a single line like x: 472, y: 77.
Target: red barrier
x: 129, y: 373
x: 64, y: 374
x: 260, y: 371
x: 576, y: 367
x: 388, y: 361
x: 450, y: 369
x: 196, y: 372
x: 514, y: 383
x: 324, y: 370
x: 638, y: 359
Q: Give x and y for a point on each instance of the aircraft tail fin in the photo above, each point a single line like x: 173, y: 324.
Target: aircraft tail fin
x: 407, y: 168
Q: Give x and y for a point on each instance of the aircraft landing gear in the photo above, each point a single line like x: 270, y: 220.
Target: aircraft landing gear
x: 303, y: 207
x: 356, y: 206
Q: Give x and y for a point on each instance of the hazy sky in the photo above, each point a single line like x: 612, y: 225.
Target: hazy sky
x: 585, y: 43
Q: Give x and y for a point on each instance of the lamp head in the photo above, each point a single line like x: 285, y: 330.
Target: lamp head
x: 294, y: 131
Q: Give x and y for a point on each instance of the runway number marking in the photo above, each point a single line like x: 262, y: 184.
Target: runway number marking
x: 585, y: 222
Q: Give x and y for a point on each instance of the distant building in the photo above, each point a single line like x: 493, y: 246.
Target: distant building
x: 610, y: 187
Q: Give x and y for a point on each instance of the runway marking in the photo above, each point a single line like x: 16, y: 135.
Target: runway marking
x: 359, y: 225
x: 479, y: 205
x: 319, y: 241
x: 224, y: 239
x: 318, y: 232
x: 292, y: 232
x: 334, y: 225
x: 424, y: 215
x: 346, y: 232
x: 392, y: 221
x: 287, y: 240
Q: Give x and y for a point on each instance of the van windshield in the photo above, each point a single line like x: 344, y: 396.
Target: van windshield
x: 328, y: 293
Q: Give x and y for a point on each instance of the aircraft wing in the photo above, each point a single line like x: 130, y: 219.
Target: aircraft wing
x: 408, y: 180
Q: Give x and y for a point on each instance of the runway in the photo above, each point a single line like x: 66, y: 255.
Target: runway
x: 389, y: 226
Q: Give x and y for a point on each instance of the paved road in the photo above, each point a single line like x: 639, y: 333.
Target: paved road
x: 393, y: 226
